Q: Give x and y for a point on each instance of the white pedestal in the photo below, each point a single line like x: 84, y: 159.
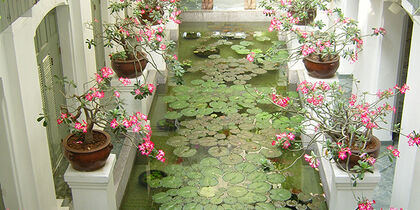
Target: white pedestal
x: 338, y: 189
x: 95, y: 189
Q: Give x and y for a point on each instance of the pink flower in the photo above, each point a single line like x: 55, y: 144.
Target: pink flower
x: 390, y: 147
x: 99, y: 79
x: 98, y: 94
x: 137, y: 91
x: 313, y: 161
x: 126, y: 123
x: 106, y: 72
x: 146, y: 148
x: 160, y: 155
x: 160, y: 29
x: 175, y: 57
x: 89, y: 97
x: 396, y: 153
x: 250, y: 57
x: 114, y: 123
x: 136, y: 128
x: 125, y: 81
x: 291, y: 136
x: 286, y: 144
x: 404, y: 88
x: 151, y: 87
x: 117, y: 94
x: 371, y: 160
x: 59, y: 121
x: 158, y: 37
x: 273, y: 143
x: 163, y: 47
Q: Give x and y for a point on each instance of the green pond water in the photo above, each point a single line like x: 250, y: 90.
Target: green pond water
x: 216, y: 158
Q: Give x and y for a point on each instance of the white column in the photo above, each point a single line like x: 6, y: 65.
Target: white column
x: 95, y: 189
x: 406, y: 187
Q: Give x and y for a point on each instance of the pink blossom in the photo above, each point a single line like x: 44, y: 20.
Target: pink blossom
x: 125, y: 81
x: 126, y: 123
x: 151, y: 87
x: 160, y: 156
x: 136, y: 128
x: 89, y: 97
x: 163, y: 47
x: 396, y: 153
x: 114, y: 123
x: 146, y: 148
x: 286, y: 144
x: 175, y: 57
x: 106, y: 72
x: 138, y: 92
x: 313, y: 161
x: 99, y: 94
x: 404, y: 88
x: 158, y: 37
x: 371, y: 160
x: 160, y: 29
x: 250, y: 57
x: 273, y: 143
x: 59, y: 121
x: 117, y: 94
x: 99, y: 79
x: 291, y: 136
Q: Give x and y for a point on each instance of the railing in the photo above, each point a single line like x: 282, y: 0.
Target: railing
x: 10, y: 10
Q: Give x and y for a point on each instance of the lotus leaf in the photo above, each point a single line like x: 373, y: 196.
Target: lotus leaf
x: 237, y: 47
x: 234, y: 177
x: 208, y: 192
x: 169, y: 99
x: 204, y: 111
x: 171, y: 182
x: 177, y: 141
x: 257, y: 176
x: 237, y: 191
x: 246, y: 167
x: 304, y: 197
x: 211, y: 172
x: 262, y: 38
x: 161, y: 197
x: 208, y: 141
x: 243, y: 51
x: 218, y: 151
x: 173, y: 169
x: 251, y: 147
x: 173, y: 115
x: 248, y: 198
x: 194, y: 175
x: 220, y: 136
x: 236, y: 141
x: 279, y: 194
x: 216, y: 200
x: 270, y: 153
x: 193, y: 206
x: 218, y: 104
x: 230, y: 200
x: 179, y: 104
x: 254, y: 110
x: 181, y: 89
x: 255, y: 158
x: 223, y: 142
x: 209, y: 161
x: 188, y: 192
x: 275, y: 178
x: 211, y: 207
x: 184, y: 151
x: 246, y: 43
x: 259, y: 187
x: 264, y: 206
x: 232, y: 159
x: 208, y: 181
x: 215, y: 127
x: 189, y: 112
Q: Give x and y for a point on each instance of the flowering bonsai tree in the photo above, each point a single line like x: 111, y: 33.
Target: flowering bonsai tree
x: 138, y: 30
x: 347, y: 122
x: 100, y: 106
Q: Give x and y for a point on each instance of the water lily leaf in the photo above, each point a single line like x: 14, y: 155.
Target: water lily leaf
x: 184, y: 151
x: 179, y: 104
x: 257, y: 176
x: 237, y: 47
x: 172, y: 192
x: 193, y: 206
x: 246, y: 43
x: 173, y: 169
x: 230, y: 200
x: 180, y: 89
x: 209, y: 161
x: 276, y: 178
x: 254, y: 110
x: 279, y: 194
x: 208, y: 141
x: 208, y: 192
x: 197, y: 82
x: 188, y: 192
x: 171, y: 182
x: 237, y: 191
x: 173, y: 115
x: 177, y: 141
x: 211, y: 172
x: 251, y: 147
x: 204, y: 111
x: 216, y: 200
x: 208, y: 181
x: 270, y: 153
x: 218, y: 151
x: 233, y: 177
x: 243, y: 51
x: 210, y: 207
x: 218, y: 104
x: 255, y: 158
x: 169, y: 99
x: 194, y: 175
x: 161, y: 197
x: 262, y: 38
x: 304, y: 197
x: 264, y: 206
x: 246, y: 167
x: 214, y: 56
x: 189, y: 112
x: 232, y: 159
x: 259, y: 187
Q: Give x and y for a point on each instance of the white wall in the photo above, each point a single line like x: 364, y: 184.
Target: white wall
x: 26, y: 140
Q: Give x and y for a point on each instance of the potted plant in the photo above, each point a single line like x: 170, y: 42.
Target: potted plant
x: 321, y: 47
x: 137, y: 31
x: 99, y: 107
x: 346, y: 121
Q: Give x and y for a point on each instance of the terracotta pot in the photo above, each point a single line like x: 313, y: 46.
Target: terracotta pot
x: 147, y: 16
x: 308, y: 20
x: 321, y: 69
x: 127, y: 68
x: 88, y: 160
x: 374, y: 147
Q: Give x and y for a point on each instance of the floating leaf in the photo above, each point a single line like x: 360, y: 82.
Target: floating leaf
x: 233, y: 177
x: 173, y: 115
x: 246, y: 167
x: 218, y: 151
x: 264, y: 206
x: 230, y: 200
x: 189, y: 112
x: 246, y: 43
x: 188, y: 192
x: 251, y: 147
x: 209, y: 161
x: 270, y: 153
x: 275, y: 178
x: 232, y: 159
x: 237, y: 191
x: 208, y: 192
x: 257, y: 176
x: 259, y: 187
x: 169, y: 99
x: 216, y: 200
x: 304, y: 197
x: 171, y: 182
x: 255, y: 158
x: 173, y: 169
x: 161, y: 197
x: 177, y: 141
x: 179, y: 104
x: 193, y: 206
x: 208, y: 181
x: 184, y: 151
x: 279, y: 194
x: 211, y: 172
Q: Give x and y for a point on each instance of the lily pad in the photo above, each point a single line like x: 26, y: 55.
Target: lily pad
x: 259, y: 187
x: 197, y: 82
x: 188, y: 192
x: 173, y: 115
x: 204, y: 111
x: 218, y: 151
x: 232, y: 159
x: 257, y: 176
x: 255, y: 158
x: 189, y: 112
x: 246, y: 43
x: 209, y: 161
x: 251, y: 147
x: 270, y: 153
x: 208, y: 192
x: 237, y: 191
x: 173, y: 169
x: 279, y: 194
x: 275, y: 178
x: 169, y: 99
x: 161, y: 197
x: 208, y: 181
x: 212, y: 172
x: 230, y: 200
x: 184, y: 151
x: 193, y: 206
x: 171, y: 182
x: 264, y: 206
x: 179, y: 104
x: 233, y: 177
x: 177, y: 141
x: 246, y: 167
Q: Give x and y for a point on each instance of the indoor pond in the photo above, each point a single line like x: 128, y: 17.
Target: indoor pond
x: 217, y: 134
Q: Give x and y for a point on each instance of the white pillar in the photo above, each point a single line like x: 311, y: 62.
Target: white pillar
x: 95, y: 189
x: 406, y: 187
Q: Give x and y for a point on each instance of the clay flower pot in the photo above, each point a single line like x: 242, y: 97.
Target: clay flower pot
x: 90, y: 159
x: 373, y: 149
x: 307, y: 20
x: 127, y: 68
x: 321, y: 69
